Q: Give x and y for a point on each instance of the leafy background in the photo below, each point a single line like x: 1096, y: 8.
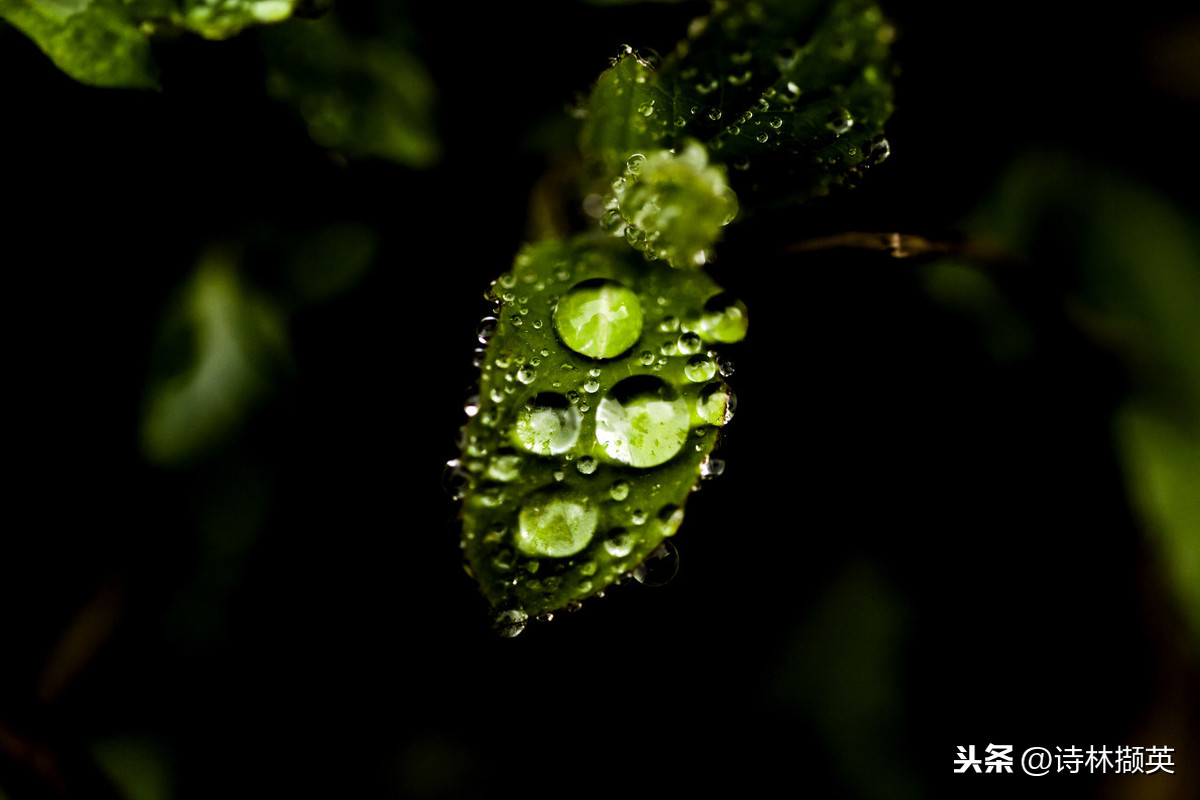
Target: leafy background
x: 933, y: 528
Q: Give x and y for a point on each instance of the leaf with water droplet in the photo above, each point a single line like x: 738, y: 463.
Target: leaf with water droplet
x: 797, y: 92
x: 575, y: 476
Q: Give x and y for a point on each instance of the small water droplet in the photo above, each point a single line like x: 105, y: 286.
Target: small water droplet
x: 619, y: 490
x: 619, y: 543
x: 586, y: 465
x: 486, y: 329
x: 699, y: 368
x: 527, y: 374
x: 689, y: 343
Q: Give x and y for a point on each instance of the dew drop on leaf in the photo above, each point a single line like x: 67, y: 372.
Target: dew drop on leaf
x: 599, y: 318
x: 547, y: 425
x: 642, y: 422
x: 555, y: 524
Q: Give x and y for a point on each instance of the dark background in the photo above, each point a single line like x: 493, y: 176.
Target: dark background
x: 912, y: 547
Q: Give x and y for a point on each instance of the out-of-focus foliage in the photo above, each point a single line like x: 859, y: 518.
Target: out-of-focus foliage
x: 107, y: 42
x: 843, y: 670
x: 363, y: 96
x: 1135, y: 289
x: 94, y: 41
x: 221, y: 343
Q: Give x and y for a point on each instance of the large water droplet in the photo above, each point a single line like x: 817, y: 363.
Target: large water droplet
x: 700, y: 368
x: 716, y: 404
x: 724, y: 319
x: 660, y: 567
x: 599, y: 318
x: 555, y: 524
x: 547, y: 425
x: 642, y: 422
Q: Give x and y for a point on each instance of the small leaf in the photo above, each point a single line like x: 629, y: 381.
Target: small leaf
x: 96, y: 42
x: 366, y: 98
x: 599, y: 405
x: 225, y: 340
x: 792, y: 95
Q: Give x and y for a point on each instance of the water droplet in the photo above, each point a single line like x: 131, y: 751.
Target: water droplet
x: 642, y: 422
x: 486, y: 329
x: 670, y: 517
x: 762, y: 138
x: 669, y: 324
x: 599, y: 318
x: 699, y: 368
x: 839, y: 121
x: 510, y: 623
x: 504, y: 467
x: 619, y: 543
x: 638, y: 516
x: 724, y: 319
x: 646, y: 109
x: 527, y: 374
x: 689, y: 343
x: 878, y: 151
x: 711, y: 467
x: 646, y: 358
x: 775, y: 122
x: 586, y: 465
x: 547, y: 425
x: 716, y: 404
x: 619, y: 490
x: 555, y: 524
x: 714, y: 114
x: 634, y: 163
x: 741, y: 78
x: 659, y: 568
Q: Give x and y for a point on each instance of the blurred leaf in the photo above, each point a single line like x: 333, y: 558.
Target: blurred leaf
x: 138, y: 766
x: 228, y: 340
x: 365, y: 97
x: 107, y: 42
x: 331, y: 261
x: 96, y: 42
x: 842, y: 671
x: 792, y: 95
x: 1137, y: 285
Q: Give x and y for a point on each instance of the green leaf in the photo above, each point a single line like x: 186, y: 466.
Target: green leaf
x: 364, y: 97
x: 224, y: 342
x: 792, y: 95
x: 96, y: 42
x: 599, y: 405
